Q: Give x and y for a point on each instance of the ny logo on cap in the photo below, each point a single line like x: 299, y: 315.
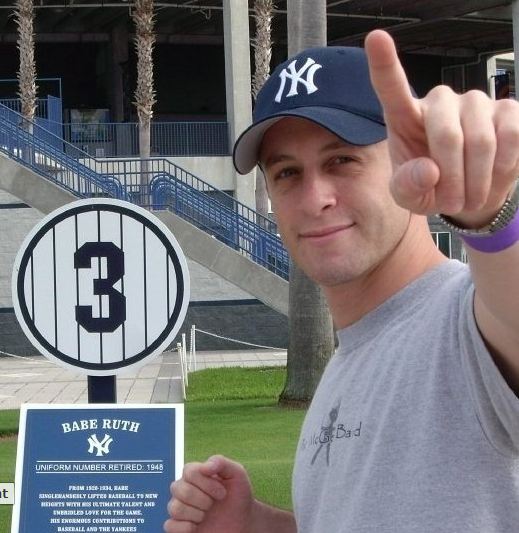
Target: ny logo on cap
x: 296, y: 77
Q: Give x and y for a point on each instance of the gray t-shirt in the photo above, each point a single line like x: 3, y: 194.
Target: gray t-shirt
x: 412, y: 429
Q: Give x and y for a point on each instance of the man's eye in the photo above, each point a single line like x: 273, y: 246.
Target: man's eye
x: 341, y: 160
x: 285, y: 173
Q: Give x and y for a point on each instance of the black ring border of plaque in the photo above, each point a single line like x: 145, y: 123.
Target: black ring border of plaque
x: 99, y: 206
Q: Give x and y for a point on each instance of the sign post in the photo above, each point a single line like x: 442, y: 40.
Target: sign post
x: 100, y: 287
x: 102, y: 389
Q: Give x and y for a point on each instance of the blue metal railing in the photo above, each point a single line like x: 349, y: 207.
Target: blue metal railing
x: 15, y: 104
x: 40, y: 151
x: 111, y: 139
x: 153, y: 183
x: 114, y: 139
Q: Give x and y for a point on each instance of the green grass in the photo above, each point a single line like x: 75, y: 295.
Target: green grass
x: 9, y: 421
x: 255, y: 433
x: 235, y: 384
x: 229, y: 411
x: 234, y: 412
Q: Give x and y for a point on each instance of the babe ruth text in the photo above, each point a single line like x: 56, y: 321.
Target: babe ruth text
x: 105, y: 423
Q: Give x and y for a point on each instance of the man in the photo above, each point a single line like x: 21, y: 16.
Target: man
x: 415, y: 424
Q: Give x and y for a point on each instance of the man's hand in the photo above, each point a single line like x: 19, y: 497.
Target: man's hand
x: 211, y: 497
x: 452, y: 154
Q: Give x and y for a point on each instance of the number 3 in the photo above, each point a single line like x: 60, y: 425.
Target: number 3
x: 102, y: 286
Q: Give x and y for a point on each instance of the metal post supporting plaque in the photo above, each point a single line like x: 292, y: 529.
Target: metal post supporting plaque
x: 102, y: 389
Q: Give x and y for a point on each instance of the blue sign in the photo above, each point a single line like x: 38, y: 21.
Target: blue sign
x: 99, y: 468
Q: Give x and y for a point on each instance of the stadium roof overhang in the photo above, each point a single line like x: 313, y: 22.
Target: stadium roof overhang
x: 436, y: 27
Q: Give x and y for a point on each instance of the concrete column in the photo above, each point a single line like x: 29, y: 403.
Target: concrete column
x: 515, y: 20
x: 491, y: 73
x: 238, y: 85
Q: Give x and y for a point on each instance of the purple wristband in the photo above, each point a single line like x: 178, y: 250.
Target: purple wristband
x: 496, y: 241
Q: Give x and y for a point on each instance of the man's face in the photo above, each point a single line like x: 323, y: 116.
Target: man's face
x: 332, y: 202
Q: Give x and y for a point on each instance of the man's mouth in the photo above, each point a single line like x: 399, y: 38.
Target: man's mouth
x: 325, y: 233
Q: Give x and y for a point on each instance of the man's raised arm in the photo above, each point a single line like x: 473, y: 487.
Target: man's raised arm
x: 458, y: 155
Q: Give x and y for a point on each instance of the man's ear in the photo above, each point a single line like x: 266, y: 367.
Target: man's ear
x: 264, y: 177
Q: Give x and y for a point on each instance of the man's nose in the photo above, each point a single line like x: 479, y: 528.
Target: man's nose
x: 319, y: 193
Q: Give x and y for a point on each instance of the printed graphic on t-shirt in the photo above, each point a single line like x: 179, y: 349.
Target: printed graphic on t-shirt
x: 330, y: 433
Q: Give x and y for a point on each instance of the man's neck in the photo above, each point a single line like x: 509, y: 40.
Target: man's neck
x: 414, y: 255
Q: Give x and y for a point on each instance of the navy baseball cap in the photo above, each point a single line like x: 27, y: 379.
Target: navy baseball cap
x: 327, y: 85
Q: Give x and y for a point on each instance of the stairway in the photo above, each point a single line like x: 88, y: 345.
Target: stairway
x: 212, y: 228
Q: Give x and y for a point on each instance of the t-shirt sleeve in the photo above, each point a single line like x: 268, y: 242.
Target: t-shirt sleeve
x: 497, y: 406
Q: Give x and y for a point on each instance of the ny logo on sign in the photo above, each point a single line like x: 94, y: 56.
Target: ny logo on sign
x: 100, y: 447
x: 297, y: 76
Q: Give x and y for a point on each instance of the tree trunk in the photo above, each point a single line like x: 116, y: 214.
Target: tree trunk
x: 311, y: 338
x: 144, y: 19
x: 306, y: 24
x: 145, y: 163
x: 262, y: 197
x: 24, y: 16
x: 262, y: 44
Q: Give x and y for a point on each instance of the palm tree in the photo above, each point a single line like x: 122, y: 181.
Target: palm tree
x: 262, y: 44
x: 144, y: 19
x: 24, y: 16
x: 311, y: 338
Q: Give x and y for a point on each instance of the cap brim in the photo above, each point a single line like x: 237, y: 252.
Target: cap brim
x: 352, y: 128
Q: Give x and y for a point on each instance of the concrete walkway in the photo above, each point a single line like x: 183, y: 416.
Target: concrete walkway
x: 37, y: 380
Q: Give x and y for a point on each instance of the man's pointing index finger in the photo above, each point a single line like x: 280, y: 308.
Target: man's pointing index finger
x: 387, y: 75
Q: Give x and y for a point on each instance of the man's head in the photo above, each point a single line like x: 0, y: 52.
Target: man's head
x: 329, y: 86
x: 320, y: 138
